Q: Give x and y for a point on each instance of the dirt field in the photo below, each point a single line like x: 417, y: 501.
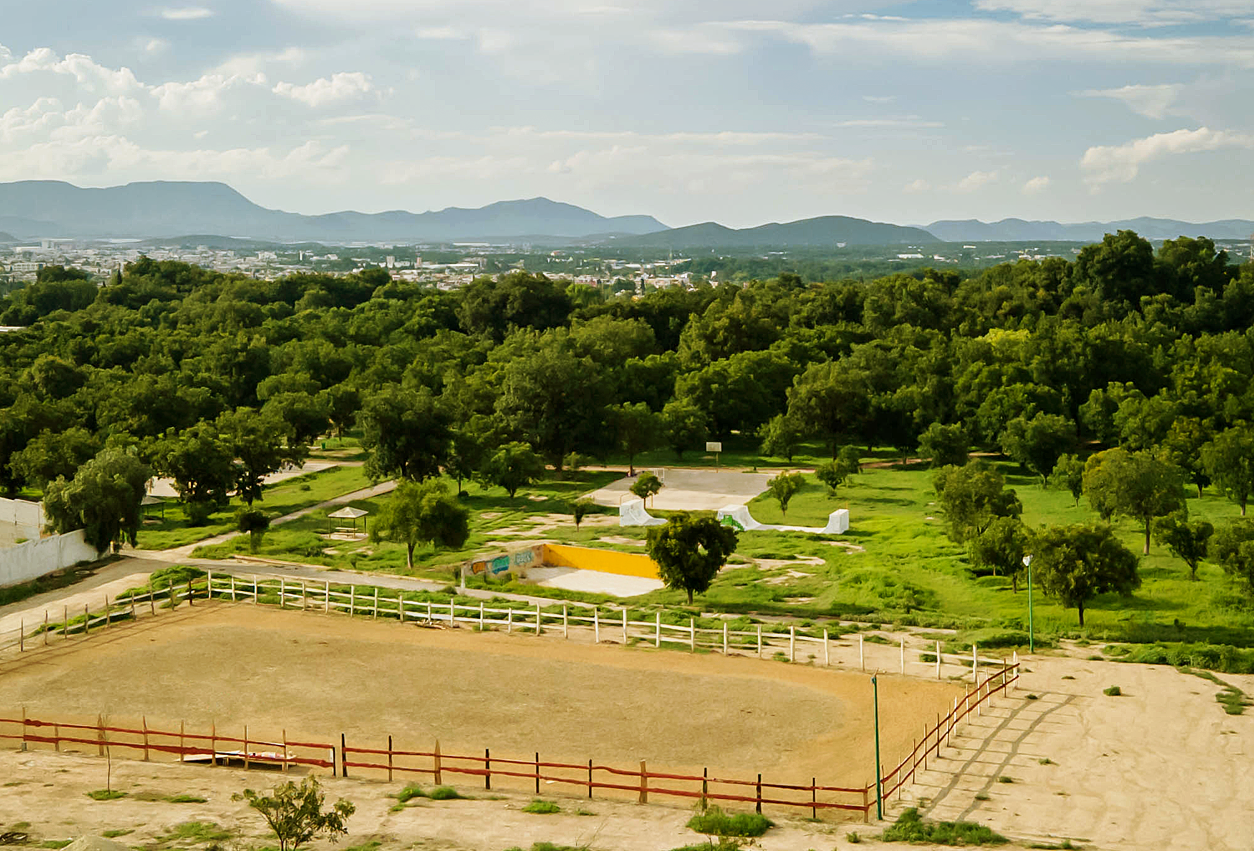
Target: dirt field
x: 320, y: 675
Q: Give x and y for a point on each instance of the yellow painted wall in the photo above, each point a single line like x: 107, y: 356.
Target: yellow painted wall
x: 605, y: 561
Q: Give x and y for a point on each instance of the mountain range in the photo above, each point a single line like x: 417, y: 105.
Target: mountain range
x: 47, y: 209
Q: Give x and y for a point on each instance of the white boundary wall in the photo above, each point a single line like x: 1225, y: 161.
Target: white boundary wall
x: 28, y: 517
x: 33, y: 559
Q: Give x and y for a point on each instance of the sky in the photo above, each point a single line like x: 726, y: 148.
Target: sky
x: 736, y: 111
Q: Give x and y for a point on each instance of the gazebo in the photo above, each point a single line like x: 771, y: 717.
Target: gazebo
x: 349, y: 513
x: 149, y: 499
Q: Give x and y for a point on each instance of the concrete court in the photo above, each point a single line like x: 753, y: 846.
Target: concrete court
x: 692, y: 490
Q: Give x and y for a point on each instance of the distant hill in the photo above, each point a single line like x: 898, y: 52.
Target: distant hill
x: 7, y: 237
x: 822, y: 232
x: 1013, y: 230
x: 43, y: 208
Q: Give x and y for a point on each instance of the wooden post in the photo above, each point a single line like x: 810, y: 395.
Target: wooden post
x: 758, y: 808
x: 213, y: 743
x: 866, y: 805
x: 190, y: 595
x: 132, y: 607
x: 537, y: 772
x: 65, y: 622
x: 86, y: 624
x: 644, y: 783
x: 759, y: 641
x: 400, y: 606
x: 429, y: 618
x: 304, y: 596
x: 814, y: 797
x: 596, y: 626
x: 657, y: 635
x: 45, y: 627
x: 792, y: 644
x: 589, y: 780
x: 99, y: 731
x: 21, y: 636
x: 452, y: 613
x: 108, y: 614
x: 903, y: 655
x: 487, y: 769
x: 376, y: 609
x: 975, y: 665
x: 481, y: 627
x: 724, y: 638
x: 509, y: 621
x: 539, y: 627
x: 326, y: 604
x: 23, y: 728
x: 282, y: 590
x: 56, y: 737
x: 208, y: 584
x: 285, y: 751
x: 245, y: 747
x: 233, y: 597
x: 389, y: 759
x: 256, y: 591
x: 437, y: 762
x: 144, y: 722
x: 624, y: 626
x: 565, y: 626
x: 352, y: 600
x: 182, y: 754
x: 692, y: 634
x: 827, y: 658
x: 344, y: 747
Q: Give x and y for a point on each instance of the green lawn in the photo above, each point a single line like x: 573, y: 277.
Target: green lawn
x: 279, y: 499
x: 895, y: 565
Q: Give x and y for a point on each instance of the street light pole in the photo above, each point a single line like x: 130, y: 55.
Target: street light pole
x: 1027, y: 562
x: 879, y: 791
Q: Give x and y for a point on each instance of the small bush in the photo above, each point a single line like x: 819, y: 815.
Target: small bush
x: 114, y: 834
x: 853, y: 837
x: 910, y: 827
x: 1005, y: 779
x: 1112, y: 691
x: 185, y: 799
x: 105, y: 794
x: 981, y: 796
x: 413, y: 790
x: 715, y: 822
x: 1045, y: 761
x: 445, y: 793
x: 542, y: 808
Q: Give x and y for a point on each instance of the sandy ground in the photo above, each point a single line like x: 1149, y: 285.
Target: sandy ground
x: 109, y: 580
x: 321, y: 675
x: 693, y: 490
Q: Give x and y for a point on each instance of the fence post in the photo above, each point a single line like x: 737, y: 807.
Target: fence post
x: 596, y: 626
x: 132, y: 607
x: 86, y: 624
x: 108, y: 614
x: 644, y: 783
x: 233, y: 598
x: 861, y: 654
x: 724, y: 638
x: 565, y: 625
x: 975, y: 665
x: 792, y: 644
x: 400, y: 605
x: 389, y: 759
x: 758, y: 807
x: 509, y: 621
x: 285, y: 751
x: 437, y: 762
x: 759, y: 641
x: 429, y: 618
x: 624, y: 626
x: 692, y: 634
x: 304, y: 595
x: 65, y: 622
x: 344, y: 748
x: 245, y: 747
x: 657, y: 635
x: 537, y: 772
x: 24, y: 728
x: 56, y: 737
x: 282, y: 590
x: 539, y: 626
x: 213, y: 742
x: 45, y: 627
x: 903, y: 655
x: 481, y: 626
x: 487, y: 768
x: 326, y: 605
x: 589, y: 780
x: 376, y: 604
x: 99, y: 732
x: 705, y: 785
x: 866, y: 805
x: 208, y: 584
x: 352, y: 600
x: 191, y: 595
x: 938, y: 660
x: 144, y: 722
x: 827, y: 658
x: 814, y: 797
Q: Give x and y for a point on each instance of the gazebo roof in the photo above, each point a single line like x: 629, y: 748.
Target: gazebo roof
x: 149, y: 499
x: 348, y: 513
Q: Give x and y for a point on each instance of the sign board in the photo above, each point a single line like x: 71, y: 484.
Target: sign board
x: 714, y: 446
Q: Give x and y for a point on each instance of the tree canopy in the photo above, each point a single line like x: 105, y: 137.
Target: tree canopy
x: 690, y: 550
x: 1076, y: 563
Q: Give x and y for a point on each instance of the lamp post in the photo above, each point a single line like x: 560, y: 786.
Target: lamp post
x: 1027, y: 562
x: 879, y: 792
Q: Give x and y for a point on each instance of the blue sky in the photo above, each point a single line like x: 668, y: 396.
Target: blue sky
x: 691, y: 110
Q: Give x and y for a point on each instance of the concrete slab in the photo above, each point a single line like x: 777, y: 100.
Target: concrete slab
x: 692, y: 490
x: 591, y: 581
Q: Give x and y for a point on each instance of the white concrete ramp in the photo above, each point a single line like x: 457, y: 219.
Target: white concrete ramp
x: 739, y: 517
x: 632, y: 513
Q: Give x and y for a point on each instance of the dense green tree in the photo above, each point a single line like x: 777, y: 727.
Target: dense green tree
x: 1001, y: 546
x: 690, y: 550
x: 684, y: 426
x: 1076, y: 563
x: 646, y: 486
x: 512, y: 466
x: 103, y: 500
x: 407, y: 433
x: 555, y: 401
x: 780, y: 436
x: 254, y: 523
x: 783, y: 487
x: 423, y: 513
x: 1068, y: 474
x: 260, y: 447
x: 53, y: 454
x: 1233, y: 547
x: 830, y: 402
x: 638, y: 430
x: 1186, y: 539
x: 944, y: 445
x: 1039, y: 442
x: 201, y: 464
x: 1229, y: 462
x: 972, y: 497
x: 1138, y: 485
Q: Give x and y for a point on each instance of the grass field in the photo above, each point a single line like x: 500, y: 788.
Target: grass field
x: 279, y: 499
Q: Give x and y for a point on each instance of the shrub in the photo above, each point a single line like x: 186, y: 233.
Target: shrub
x: 715, y: 822
x: 542, y: 808
x: 444, y: 793
x: 105, y: 794
x: 1112, y: 691
x: 910, y: 827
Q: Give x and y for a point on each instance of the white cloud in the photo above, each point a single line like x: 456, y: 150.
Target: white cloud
x: 186, y: 13
x: 916, y: 186
x: 207, y: 95
x: 86, y: 73
x: 155, y: 46
x: 1143, y: 12
x: 441, y: 33
x: 338, y: 89
x: 1036, y: 185
x: 1150, y: 101
x: 975, y: 180
x: 1121, y: 163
